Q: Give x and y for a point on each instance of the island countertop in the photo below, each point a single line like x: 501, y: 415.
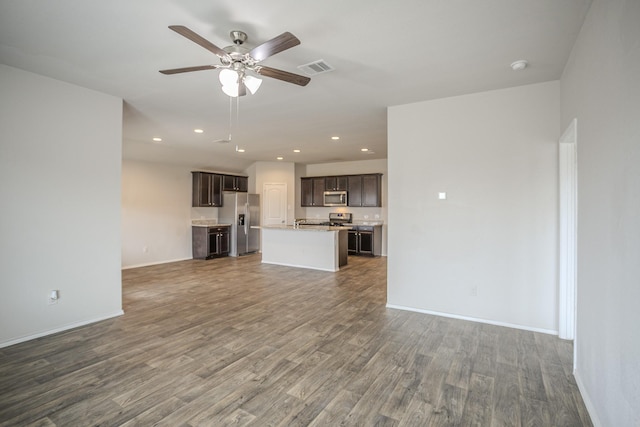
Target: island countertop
x: 307, y: 227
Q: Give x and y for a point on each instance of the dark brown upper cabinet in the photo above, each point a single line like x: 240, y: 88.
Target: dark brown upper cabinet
x: 235, y: 183
x: 335, y: 183
x: 206, y: 189
x: 363, y: 190
x: 371, y: 190
x: 312, y: 191
x: 354, y: 190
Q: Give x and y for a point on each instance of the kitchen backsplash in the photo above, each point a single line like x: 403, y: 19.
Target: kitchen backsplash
x: 204, y: 213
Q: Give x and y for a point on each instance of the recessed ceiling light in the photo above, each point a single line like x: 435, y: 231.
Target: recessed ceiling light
x: 240, y: 150
x: 296, y: 151
x: 519, y: 65
x: 335, y: 138
x: 279, y: 158
x: 156, y: 139
x: 364, y: 149
x: 198, y: 131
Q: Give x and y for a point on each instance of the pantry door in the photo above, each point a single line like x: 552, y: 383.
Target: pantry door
x: 274, y: 205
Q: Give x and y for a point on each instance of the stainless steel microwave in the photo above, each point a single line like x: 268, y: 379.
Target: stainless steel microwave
x: 335, y: 198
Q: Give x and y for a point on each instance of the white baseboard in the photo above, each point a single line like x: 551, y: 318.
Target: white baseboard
x: 474, y: 319
x: 155, y: 263
x: 298, y: 266
x: 60, y: 329
x: 587, y: 400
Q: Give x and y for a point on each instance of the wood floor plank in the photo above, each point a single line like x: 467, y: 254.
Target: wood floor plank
x: 534, y: 413
x: 477, y: 408
x: 231, y: 341
x: 486, y: 356
x: 224, y: 403
x: 337, y: 410
x: 507, y: 347
x: 153, y: 414
x: 417, y: 414
x: 450, y: 407
x: 43, y: 422
x: 433, y: 378
x: 506, y: 397
x: 562, y: 405
x: 401, y: 396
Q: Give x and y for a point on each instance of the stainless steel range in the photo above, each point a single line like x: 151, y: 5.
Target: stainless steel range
x: 340, y: 218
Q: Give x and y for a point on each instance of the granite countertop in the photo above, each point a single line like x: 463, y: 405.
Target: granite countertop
x: 306, y: 227
x: 207, y: 223
x: 317, y: 221
x: 367, y: 222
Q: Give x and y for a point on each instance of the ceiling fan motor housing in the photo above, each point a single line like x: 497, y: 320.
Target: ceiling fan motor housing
x: 238, y: 37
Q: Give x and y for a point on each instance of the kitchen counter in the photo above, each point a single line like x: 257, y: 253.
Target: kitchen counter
x: 313, y: 246
x: 307, y: 227
x: 207, y: 223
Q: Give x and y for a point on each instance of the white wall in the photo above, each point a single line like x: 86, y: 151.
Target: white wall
x: 60, y: 157
x: 495, y: 155
x: 157, y: 213
x: 601, y: 88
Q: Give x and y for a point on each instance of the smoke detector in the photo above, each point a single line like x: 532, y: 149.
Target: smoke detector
x: 519, y: 65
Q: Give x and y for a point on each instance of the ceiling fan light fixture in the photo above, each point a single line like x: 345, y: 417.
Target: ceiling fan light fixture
x: 230, y: 90
x: 230, y: 80
x: 252, y: 83
x: 228, y: 77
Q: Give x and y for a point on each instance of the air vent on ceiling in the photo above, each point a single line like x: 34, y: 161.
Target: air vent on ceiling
x: 316, y: 67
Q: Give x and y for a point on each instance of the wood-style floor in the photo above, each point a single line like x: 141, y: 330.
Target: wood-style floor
x: 234, y: 342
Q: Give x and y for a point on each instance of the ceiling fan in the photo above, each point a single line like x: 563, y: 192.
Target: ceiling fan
x: 236, y: 60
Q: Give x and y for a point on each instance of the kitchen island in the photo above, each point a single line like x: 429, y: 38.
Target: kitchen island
x: 316, y: 247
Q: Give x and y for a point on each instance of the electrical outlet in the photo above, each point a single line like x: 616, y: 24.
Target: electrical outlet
x: 474, y: 291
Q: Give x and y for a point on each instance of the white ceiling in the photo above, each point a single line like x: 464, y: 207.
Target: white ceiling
x: 384, y: 53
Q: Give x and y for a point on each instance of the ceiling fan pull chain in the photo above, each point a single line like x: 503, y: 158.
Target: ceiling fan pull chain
x: 230, y: 116
x: 237, y: 112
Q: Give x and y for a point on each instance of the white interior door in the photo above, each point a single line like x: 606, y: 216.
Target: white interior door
x: 568, y: 216
x: 274, y: 204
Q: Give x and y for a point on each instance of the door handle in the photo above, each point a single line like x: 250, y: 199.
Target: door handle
x: 248, y: 219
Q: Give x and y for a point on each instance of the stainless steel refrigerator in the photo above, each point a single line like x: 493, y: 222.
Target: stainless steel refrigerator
x: 242, y: 211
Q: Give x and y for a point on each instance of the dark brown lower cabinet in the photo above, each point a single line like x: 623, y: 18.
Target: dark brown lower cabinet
x: 365, y: 240
x: 210, y: 242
